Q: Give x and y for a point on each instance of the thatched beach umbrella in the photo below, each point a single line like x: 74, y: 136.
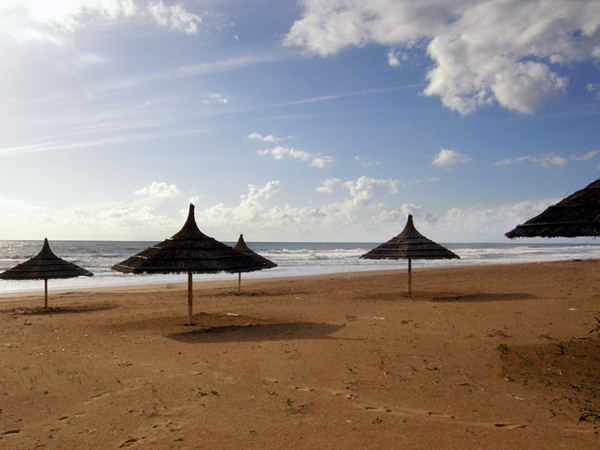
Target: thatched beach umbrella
x: 576, y: 215
x: 243, y: 248
x: 44, y: 266
x: 189, y: 251
x: 410, y: 244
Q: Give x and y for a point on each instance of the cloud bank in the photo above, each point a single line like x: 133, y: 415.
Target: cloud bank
x: 509, y: 52
x: 364, y: 214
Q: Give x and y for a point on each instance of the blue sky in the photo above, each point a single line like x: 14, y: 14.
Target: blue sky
x: 314, y: 120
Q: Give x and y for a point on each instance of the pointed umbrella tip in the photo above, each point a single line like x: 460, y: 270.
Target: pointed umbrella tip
x: 46, y: 248
x: 409, y: 223
x: 191, y: 214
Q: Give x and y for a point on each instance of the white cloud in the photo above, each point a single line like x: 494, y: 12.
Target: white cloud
x: 270, y: 138
x: 214, y: 97
x: 594, y: 88
x: 270, y: 223
x: 69, y: 15
x: 279, y: 152
x: 504, y: 51
x: 159, y: 190
x: 361, y: 216
x: 421, y: 181
x: 327, y: 186
x: 364, y: 189
x: 428, y: 180
x: 547, y: 161
x: 481, y: 221
x: 585, y: 157
x: 472, y: 224
x: 243, y: 216
x: 447, y: 158
x: 322, y: 161
x: 174, y: 17
x: 21, y: 220
x: 394, y: 57
x: 365, y: 163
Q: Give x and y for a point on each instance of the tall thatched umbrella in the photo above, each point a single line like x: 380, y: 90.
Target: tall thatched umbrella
x: 410, y: 244
x: 189, y: 251
x: 576, y: 215
x: 44, y: 266
x: 243, y: 248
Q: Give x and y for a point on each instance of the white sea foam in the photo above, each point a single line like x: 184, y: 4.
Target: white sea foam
x: 293, y: 259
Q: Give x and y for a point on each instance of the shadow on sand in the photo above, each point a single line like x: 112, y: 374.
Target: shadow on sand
x: 41, y: 311
x: 484, y: 298
x: 257, y: 332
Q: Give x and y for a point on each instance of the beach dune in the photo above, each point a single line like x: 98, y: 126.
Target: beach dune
x: 486, y: 357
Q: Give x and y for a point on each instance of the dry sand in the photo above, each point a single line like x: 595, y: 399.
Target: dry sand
x: 497, y: 357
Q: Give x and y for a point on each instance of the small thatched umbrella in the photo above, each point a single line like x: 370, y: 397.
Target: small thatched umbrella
x: 243, y: 248
x: 410, y: 244
x: 44, y: 266
x: 189, y: 251
x: 576, y: 215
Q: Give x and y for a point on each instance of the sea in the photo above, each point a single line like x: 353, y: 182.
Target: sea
x: 293, y: 259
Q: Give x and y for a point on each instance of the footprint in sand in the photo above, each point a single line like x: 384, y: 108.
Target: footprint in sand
x: 9, y: 432
x: 129, y: 442
x: 404, y: 411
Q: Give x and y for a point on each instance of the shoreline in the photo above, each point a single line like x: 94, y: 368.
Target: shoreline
x: 208, y: 284
x: 488, y: 356
x: 309, y: 259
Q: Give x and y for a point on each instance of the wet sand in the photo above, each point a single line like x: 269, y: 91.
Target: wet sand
x: 483, y: 357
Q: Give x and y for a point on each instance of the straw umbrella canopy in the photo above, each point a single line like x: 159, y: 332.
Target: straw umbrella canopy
x: 189, y: 251
x: 243, y: 248
x: 410, y: 244
x: 44, y: 266
x: 576, y: 215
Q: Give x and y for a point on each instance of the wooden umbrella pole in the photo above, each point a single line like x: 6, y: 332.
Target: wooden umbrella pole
x: 46, y: 293
x: 409, y: 278
x: 239, y: 282
x: 190, y: 298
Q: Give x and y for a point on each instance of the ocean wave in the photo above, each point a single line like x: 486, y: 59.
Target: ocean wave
x: 293, y: 259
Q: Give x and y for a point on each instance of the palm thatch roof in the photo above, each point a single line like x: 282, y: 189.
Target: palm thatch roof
x: 576, y: 215
x: 189, y: 251
x: 44, y: 266
x: 410, y: 244
x: 243, y: 248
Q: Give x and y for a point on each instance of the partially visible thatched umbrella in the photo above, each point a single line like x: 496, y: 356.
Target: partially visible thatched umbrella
x: 576, y: 215
x: 44, y: 266
x: 243, y: 248
x: 189, y: 251
x: 410, y: 244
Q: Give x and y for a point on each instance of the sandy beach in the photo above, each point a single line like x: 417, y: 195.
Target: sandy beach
x: 483, y: 357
